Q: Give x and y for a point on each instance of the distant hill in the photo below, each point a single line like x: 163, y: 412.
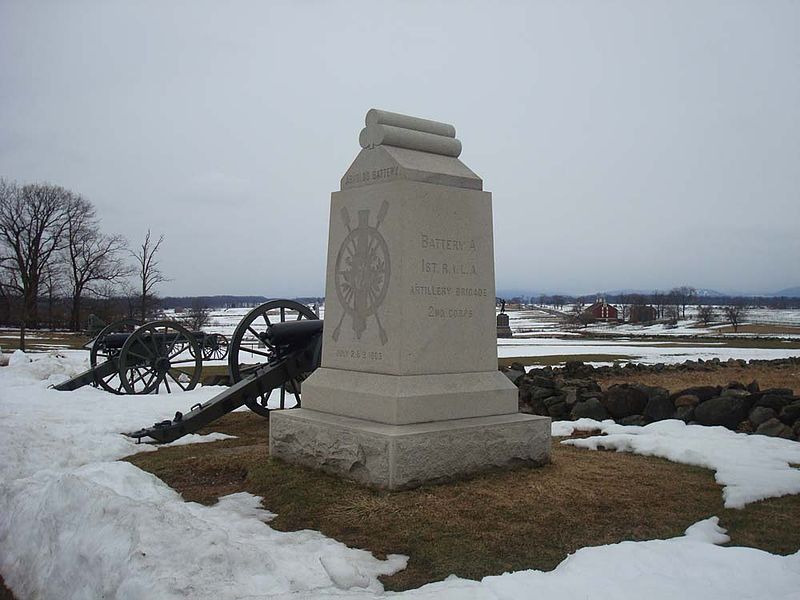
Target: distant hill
x: 224, y: 301
x: 792, y: 292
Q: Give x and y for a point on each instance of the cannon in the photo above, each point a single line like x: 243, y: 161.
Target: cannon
x: 273, y: 349
x: 126, y: 359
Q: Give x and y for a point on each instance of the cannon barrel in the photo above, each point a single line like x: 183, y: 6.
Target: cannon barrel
x: 115, y: 340
x: 293, y: 333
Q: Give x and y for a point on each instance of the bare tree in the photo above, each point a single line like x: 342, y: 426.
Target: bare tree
x: 706, y: 314
x: 198, y: 316
x: 52, y: 284
x: 625, y: 304
x: 658, y: 301
x: 683, y: 296
x: 93, y: 259
x: 734, y: 314
x: 32, y: 220
x: 148, y: 273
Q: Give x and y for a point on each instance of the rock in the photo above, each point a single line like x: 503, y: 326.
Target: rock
x: 570, y: 396
x: 513, y: 374
x: 578, y: 368
x: 779, y: 391
x: 685, y: 413
x: 540, y: 393
x: 790, y: 413
x: 773, y: 401
x: 558, y: 410
x: 752, y: 387
x: 542, y: 382
x: 634, y: 420
x: 703, y: 392
x: 686, y: 400
x: 735, y: 393
x: 624, y: 400
x: 775, y: 428
x: 760, y: 414
x: 735, y: 385
x: 796, y: 431
x: 550, y: 400
x: 659, y: 407
x: 589, y: 409
x: 725, y: 410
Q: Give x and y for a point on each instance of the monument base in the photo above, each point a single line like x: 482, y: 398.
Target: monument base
x: 406, y: 399
x: 404, y: 456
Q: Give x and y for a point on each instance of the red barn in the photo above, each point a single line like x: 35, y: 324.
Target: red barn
x: 602, y: 311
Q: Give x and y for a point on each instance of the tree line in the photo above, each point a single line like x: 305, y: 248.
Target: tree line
x: 56, y: 263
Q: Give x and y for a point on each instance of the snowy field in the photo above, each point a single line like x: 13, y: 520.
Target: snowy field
x: 541, y: 334
x: 646, y: 352
x: 542, y: 321
x: 76, y: 523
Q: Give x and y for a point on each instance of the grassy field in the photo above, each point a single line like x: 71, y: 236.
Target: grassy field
x: 41, y: 340
x: 486, y: 525
x: 767, y: 376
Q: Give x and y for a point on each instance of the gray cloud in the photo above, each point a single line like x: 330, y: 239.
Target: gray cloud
x: 627, y: 144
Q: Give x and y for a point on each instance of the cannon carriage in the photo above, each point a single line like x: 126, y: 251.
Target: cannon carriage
x: 127, y: 359
x: 272, y: 350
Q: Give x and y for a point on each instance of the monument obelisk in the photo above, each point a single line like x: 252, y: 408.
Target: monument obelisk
x: 408, y: 390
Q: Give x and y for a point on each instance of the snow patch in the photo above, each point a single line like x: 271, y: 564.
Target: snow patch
x: 749, y: 467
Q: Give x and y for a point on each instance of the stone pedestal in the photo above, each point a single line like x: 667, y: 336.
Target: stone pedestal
x: 409, y: 390
x: 503, y: 328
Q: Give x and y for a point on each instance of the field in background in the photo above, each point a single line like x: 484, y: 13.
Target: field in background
x: 541, y: 337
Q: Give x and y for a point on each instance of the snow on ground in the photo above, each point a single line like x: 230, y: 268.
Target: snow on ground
x: 540, y: 321
x: 647, y: 352
x: 74, y: 523
x: 749, y: 467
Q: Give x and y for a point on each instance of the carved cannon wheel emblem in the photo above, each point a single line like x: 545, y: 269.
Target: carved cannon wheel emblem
x: 362, y: 272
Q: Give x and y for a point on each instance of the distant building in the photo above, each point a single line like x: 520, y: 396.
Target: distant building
x: 641, y: 313
x: 602, y: 311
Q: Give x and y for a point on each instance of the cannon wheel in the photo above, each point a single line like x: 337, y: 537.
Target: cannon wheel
x: 215, y: 347
x: 152, y: 356
x: 249, y: 350
x: 100, y: 354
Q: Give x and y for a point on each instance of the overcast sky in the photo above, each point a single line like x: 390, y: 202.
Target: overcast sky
x: 627, y: 144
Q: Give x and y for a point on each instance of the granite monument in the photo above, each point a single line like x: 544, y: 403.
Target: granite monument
x: 408, y: 390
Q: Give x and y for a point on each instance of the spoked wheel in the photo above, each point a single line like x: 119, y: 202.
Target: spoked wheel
x: 160, y: 353
x: 249, y: 350
x: 215, y: 347
x: 107, y: 348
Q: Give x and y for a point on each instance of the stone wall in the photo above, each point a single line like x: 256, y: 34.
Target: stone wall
x: 572, y: 392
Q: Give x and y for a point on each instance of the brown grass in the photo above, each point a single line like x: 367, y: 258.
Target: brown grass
x: 768, y: 376
x: 489, y: 524
x: 41, y: 340
x: 761, y: 329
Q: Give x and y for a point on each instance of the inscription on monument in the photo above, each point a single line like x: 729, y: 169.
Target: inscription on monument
x: 459, y: 255
x: 372, y: 175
